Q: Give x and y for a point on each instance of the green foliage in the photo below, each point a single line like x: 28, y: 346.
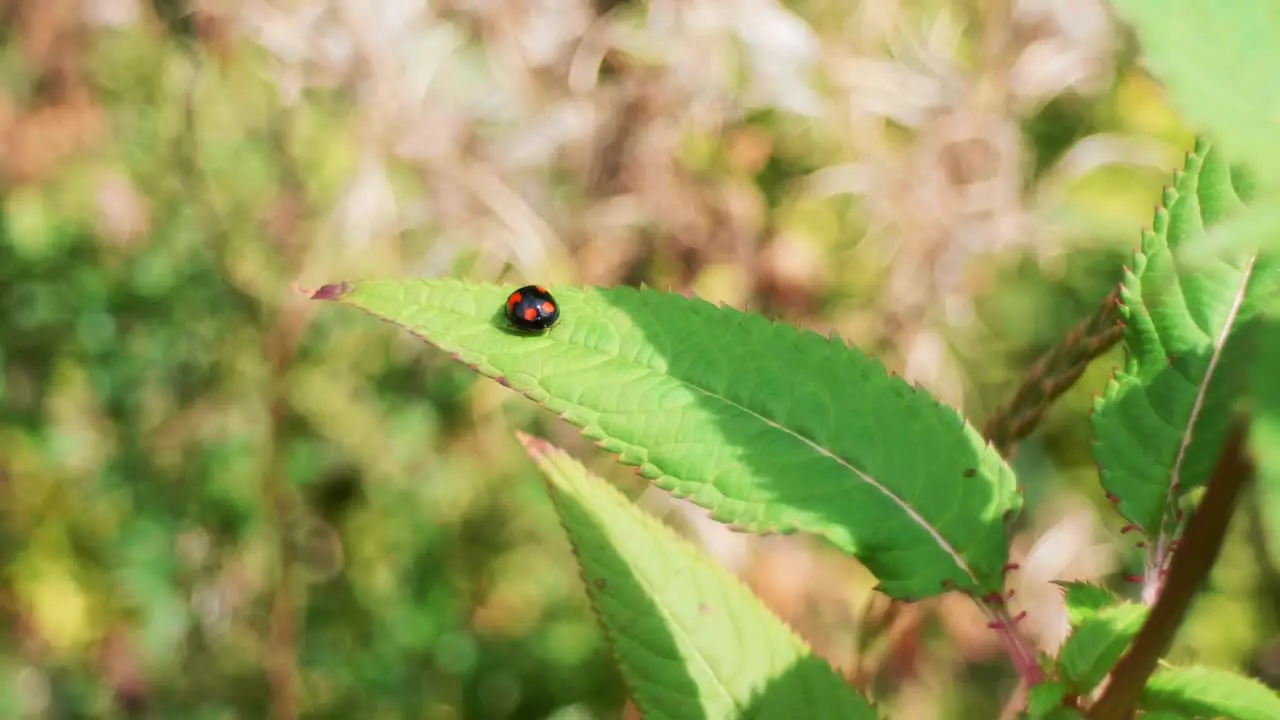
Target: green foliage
x: 1249, y: 232
x: 772, y: 429
x: 1200, y: 692
x: 171, y: 476
x: 144, y: 426
x: 691, y: 640
x: 1085, y: 600
x: 159, y: 523
x: 1048, y: 701
x: 1265, y: 439
x: 1163, y: 421
x: 1219, y: 62
x: 1097, y: 643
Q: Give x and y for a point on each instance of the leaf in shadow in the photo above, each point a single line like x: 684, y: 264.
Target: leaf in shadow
x: 691, y: 640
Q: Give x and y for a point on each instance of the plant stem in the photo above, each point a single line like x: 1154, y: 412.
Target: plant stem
x: 1053, y: 374
x: 1021, y: 653
x: 1190, y: 565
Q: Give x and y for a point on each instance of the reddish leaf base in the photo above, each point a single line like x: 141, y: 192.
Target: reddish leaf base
x: 332, y: 291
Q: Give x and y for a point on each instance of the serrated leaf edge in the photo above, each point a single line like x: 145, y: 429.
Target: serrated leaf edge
x: 1072, y: 637
x: 659, y: 475
x: 538, y: 448
x: 1170, y: 195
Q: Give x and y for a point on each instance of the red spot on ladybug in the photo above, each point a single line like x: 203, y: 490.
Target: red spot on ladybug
x: 531, y: 309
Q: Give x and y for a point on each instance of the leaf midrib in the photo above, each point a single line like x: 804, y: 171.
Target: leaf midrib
x: 910, y: 511
x: 1202, y: 390
x: 674, y: 623
x: 783, y: 637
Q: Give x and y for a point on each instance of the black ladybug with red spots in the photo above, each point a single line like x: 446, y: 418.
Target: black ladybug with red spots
x: 531, y: 309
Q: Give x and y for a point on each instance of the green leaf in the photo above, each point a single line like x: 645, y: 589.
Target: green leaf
x: 1210, y: 692
x: 1162, y: 421
x: 1265, y: 431
x: 1254, y: 230
x: 1097, y: 643
x: 690, y: 638
x: 771, y: 428
x: 1046, y: 701
x: 1086, y: 599
x: 1219, y: 62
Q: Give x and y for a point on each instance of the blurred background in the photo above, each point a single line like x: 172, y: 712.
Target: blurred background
x: 218, y: 500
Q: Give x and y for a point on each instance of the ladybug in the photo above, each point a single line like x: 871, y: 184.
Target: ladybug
x: 532, y: 309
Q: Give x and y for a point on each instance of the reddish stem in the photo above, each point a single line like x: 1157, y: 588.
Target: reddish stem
x: 1019, y: 649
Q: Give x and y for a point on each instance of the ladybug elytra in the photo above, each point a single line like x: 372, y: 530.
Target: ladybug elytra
x: 532, y: 309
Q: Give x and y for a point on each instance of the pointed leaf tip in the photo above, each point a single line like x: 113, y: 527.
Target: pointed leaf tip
x: 536, y: 447
x: 332, y: 291
x: 1159, y: 428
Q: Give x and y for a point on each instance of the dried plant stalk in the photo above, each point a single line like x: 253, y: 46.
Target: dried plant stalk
x: 1053, y: 374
